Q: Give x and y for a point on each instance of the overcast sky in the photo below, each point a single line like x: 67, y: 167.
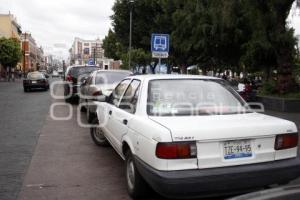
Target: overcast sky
x: 55, y: 23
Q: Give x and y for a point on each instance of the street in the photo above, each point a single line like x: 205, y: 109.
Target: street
x: 42, y: 158
x: 22, y: 117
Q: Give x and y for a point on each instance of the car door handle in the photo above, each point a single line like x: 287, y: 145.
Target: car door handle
x: 125, y: 121
x: 110, y: 112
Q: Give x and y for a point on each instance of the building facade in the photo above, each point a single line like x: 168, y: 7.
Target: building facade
x: 84, y: 51
x: 9, y: 27
x: 33, y: 56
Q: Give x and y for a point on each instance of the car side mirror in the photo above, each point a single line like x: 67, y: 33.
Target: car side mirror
x: 83, y: 81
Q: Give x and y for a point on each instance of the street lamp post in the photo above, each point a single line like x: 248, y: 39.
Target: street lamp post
x: 130, y: 33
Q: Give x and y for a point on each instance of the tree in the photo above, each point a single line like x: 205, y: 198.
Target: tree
x: 10, y: 52
x: 139, y: 58
x: 112, y: 48
x: 215, y: 34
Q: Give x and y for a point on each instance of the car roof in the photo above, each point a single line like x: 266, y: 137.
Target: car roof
x: 173, y: 76
x: 114, y: 70
x: 35, y: 72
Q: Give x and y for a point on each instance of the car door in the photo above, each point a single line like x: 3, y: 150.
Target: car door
x: 114, y: 100
x: 121, y: 114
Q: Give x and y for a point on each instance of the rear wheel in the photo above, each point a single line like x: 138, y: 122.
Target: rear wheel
x: 90, y: 116
x: 136, y: 185
x: 98, y: 135
x: 25, y: 89
x: 82, y: 107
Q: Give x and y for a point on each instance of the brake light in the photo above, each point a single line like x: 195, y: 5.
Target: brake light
x: 286, y: 141
x: 69, y: 78
x: 97, y: 93
x: 176, y: 150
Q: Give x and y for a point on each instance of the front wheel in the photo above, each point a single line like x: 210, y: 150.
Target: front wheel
x: 98, y: 135
x: 136, y: 185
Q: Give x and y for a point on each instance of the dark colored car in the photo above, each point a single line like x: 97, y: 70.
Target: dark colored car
x: 35, y: 80
x: 74, y: 76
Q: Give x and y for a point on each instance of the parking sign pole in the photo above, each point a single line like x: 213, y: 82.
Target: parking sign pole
x: 159, y: 63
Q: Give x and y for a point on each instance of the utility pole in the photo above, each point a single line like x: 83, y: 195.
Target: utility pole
x: 95, y: 54
x: 130, y: 33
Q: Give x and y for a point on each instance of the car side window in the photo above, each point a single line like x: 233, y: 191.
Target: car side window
x: 118, y: 92
x: 129, y: 99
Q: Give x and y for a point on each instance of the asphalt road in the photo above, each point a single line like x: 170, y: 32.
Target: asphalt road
x: 22, y: 116
x: 66, y: 164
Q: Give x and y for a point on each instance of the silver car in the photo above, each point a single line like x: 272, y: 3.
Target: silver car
x: 96, y: 87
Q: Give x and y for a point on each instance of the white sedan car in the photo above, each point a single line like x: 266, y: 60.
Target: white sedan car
x: 194, y: 136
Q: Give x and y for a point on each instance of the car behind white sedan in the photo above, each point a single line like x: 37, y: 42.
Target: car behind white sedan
x: 194, y: 136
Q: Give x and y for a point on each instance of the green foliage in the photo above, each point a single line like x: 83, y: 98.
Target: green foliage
x: 112, y: 48
x: 241, y: 35
x: 139, y: 58
x: 269, y: 87
x: 10, y: 52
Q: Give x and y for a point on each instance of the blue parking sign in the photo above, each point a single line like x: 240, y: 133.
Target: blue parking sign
x: 160, y: 45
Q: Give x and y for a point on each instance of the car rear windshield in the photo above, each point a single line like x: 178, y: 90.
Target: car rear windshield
x: 192, y: 97
x: 35, y: 76
x: 77, y: 71
x: 110, y: 77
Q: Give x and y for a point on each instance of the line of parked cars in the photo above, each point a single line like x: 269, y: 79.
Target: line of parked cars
x: 183, y: 135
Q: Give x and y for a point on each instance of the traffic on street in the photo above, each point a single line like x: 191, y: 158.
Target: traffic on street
x: 149, y: 100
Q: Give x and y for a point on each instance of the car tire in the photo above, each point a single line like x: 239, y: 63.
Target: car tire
x: 136, y: 185
x: 90, y: 116
x: 98, y: 135
x: 82, y: 108
x: 67, y: 100
x: 25, y: 89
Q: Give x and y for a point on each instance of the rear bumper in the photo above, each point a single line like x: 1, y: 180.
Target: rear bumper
x: 36, y: 86
x: 219, y: 181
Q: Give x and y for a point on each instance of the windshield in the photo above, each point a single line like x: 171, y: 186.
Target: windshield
x: 110, y: 77
x: 35, y: 76
x: 76, y: 71
x: 192, y: 97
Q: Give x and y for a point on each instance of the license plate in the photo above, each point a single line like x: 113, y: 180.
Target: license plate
x: 237, y: 149
x: 33, y: 82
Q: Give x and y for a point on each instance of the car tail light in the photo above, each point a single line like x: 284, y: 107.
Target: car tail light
x: 69, y: 78
x: 176, y: 150
x: 97, y: 93
x: 286, y: 141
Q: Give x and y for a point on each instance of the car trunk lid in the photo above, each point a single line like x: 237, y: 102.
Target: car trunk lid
x: 217, y: 135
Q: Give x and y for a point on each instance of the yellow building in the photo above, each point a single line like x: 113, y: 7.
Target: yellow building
x: 9, y: 27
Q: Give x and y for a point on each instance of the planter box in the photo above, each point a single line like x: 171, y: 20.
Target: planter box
x: 279, y: 104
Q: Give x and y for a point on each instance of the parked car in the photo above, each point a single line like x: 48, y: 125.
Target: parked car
x: 35, y: 80
x: 74, y: 76
x: 193, y: 136
x: 55, y: 74
x: 100, y: 82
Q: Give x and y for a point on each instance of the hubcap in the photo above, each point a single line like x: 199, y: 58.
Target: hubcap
x: 98, y: 133
x: 130, y: 174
